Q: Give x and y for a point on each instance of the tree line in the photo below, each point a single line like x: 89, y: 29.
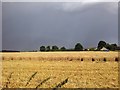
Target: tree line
x: 79, y: 47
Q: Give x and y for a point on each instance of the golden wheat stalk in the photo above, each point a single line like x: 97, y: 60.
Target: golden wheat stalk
x: 8, y: 80
x: 32, y: 76
x: 43, y: 82
x: 61, y: 84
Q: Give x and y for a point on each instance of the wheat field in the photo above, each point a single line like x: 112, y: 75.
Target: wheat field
x: 60, y: 70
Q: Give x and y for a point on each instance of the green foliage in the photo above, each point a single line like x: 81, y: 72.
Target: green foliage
x: 62, y: 49
x: 48, y: 48
x: 55, y: 48
x: 85, y: 49
x: 92, y: 49
x: 70, y: 49
x: 42, y: 48
x: 118, y: 47
x: 111, y: 47
x: 101, y: 44
x: 78, y: 47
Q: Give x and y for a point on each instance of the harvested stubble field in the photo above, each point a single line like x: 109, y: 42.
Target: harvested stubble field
x: 60, y: 69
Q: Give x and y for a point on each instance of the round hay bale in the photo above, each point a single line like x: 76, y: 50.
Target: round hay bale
x: 3, y: 58
x: 11, y: 58
x: 93, y: 59
x: 116, y: 59
x: 20, y: 58
x: 104, y: 59
x: 81, y: 59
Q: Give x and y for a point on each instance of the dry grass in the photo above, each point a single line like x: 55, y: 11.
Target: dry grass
x: 60, y: 69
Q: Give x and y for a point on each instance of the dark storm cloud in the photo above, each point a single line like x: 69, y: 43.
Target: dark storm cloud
x: 0, y: 26
x: 27, y: 26
x: 119, y: 23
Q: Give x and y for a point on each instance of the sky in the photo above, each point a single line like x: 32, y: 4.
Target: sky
x: 0, y: 26
x: 29, y: 25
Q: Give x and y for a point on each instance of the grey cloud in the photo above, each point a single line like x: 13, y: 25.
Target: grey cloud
x: 0, y: 26
x: 27, y: 26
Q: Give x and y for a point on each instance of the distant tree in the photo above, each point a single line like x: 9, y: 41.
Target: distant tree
x: 92, y: 49
x: 42, y: 48
x: 70, y: 49
x: 118, y: 47
x: 111, y: 47
x: 62, y: 48
x: 55, y: 48
x: 101, y: 44
x: 78, y: 47
x: 85, y: 49
x: 108, y: 46
x: 48, y: 48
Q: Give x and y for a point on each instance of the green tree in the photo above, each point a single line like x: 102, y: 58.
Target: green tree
x: 48, y: 48
x: 62, y: 48
x: 85, y: 49
x: 78, y: 47
x: 114, y: 46
x: 108, y: 46
x: 42, y: 48
x: 111, y: 47
x: 101, y: 44
x: 55, y: 48
x: 92, y: 49
x: 118, y: 47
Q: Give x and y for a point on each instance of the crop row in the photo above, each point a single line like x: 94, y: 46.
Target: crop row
x: 62, y: 58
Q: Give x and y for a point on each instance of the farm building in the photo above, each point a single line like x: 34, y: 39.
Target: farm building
x: 104, y: 49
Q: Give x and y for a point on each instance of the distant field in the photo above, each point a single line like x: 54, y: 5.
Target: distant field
x: 87, y: 56
x: 60, y: 69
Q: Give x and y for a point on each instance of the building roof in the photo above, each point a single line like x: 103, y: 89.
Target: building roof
x: 104, y: 49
